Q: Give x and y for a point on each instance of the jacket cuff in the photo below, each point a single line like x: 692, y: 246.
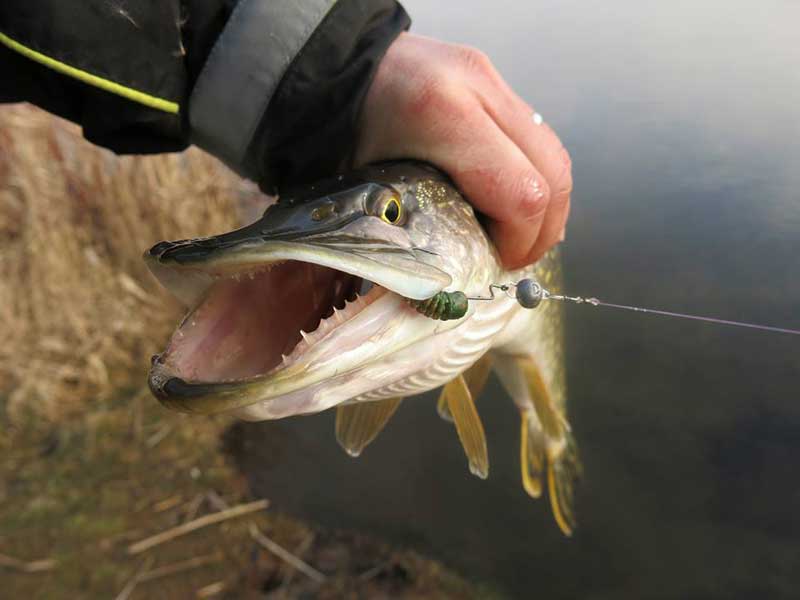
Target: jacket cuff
x: 243, y: 71
x: 279, y: 95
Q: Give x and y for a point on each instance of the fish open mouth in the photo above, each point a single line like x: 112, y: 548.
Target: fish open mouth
x: 275, y: 318
x: 253, y: 323
x: 314, y: 289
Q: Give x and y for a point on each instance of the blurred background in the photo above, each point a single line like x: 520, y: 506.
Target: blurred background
x: 683, y: 124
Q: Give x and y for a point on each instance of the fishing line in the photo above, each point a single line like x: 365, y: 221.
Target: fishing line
x: 529, y: 294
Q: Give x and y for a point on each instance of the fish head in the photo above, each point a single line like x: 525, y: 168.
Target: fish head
x: 308, y: 306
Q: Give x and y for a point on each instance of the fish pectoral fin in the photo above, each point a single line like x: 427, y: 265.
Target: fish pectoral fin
x: 547, y: 445
x: 475, y: 378
x: 358, y: 424
x: 468, y: 425
x: 477, y: 375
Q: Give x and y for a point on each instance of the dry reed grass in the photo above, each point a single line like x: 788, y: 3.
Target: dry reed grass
x: 80, y: 314
x: 79, y: 317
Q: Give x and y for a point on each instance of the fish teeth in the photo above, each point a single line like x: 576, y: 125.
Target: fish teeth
x: 285, y: 359
x: 306, y: 337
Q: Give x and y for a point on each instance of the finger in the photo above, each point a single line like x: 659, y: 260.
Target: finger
x: 499, y: 181
x: 512, y: 240
x: 519, y: 122
x: 537, y: 141
x: 553, y: 225
x: 514, y: 116
x: 506, y: 231
x: 543, y: 148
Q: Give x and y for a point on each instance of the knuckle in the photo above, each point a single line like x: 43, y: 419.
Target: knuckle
x: 474, y: 60
x: 486, y: 186
x: 526, y: 107
x: 534, y: 196
x: 437, y: 94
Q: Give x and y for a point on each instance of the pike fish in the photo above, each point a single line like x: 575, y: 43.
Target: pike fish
x: 339, y: 297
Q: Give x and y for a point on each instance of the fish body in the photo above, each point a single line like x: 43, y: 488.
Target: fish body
x: 339, y: 296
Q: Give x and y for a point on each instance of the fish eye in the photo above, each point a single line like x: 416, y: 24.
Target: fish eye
x: 391, y: 211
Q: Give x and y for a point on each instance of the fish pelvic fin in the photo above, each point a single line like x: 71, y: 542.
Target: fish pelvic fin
x: 548, y: 449
x: 475, y: 378
x: 442, y: 409
x: 458, y: 398
x: 532, y: 458
x: 563, y: 472
x: 357, y: 425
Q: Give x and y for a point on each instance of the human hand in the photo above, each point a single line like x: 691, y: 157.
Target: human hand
x: 446, y: 104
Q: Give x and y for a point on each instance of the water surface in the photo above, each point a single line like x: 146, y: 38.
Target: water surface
x: 683, y: 121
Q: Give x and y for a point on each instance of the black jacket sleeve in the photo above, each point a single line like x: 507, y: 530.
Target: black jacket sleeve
x: 273, y: 87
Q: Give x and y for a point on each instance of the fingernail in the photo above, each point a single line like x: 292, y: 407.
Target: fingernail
x: 563, y: 235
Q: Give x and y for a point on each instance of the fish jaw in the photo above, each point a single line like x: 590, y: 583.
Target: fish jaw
x: 398, y: 271
x: 234, y: 350
x: 349, y: 371
x: 327, y: 366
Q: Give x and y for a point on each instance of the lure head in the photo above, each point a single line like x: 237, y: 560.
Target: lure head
x: 309, y: 306
x: 529, y: 293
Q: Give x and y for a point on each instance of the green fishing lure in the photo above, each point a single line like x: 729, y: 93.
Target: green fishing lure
x: 444, y: 306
